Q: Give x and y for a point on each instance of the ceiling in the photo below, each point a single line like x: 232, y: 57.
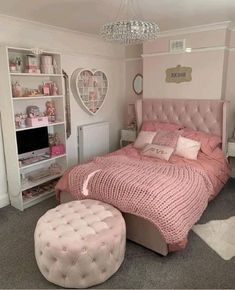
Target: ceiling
x: 89, y: 15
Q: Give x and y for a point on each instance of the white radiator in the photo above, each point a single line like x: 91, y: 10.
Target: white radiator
x: 93, y: 140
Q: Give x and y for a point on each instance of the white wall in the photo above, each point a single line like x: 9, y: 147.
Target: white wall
x: 4, y: 200
x: 211, y: 60
x: 134, y: 66
x: 78, y: 50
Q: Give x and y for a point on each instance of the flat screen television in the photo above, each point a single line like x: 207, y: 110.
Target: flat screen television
x: 33, y: 142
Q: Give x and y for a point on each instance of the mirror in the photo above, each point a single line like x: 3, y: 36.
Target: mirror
x: 138, y: 84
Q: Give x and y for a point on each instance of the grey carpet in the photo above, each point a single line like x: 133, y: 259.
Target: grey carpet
x: 196, y: 267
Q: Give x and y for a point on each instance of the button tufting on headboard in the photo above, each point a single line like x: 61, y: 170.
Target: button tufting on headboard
x: 204, y: 115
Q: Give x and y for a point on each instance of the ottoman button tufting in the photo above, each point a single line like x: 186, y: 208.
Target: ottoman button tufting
x: 79, y: 251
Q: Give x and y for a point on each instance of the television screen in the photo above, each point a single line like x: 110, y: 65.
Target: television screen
x: 32, y: 140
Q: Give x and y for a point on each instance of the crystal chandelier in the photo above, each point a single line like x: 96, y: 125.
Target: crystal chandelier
x: 131, y: 30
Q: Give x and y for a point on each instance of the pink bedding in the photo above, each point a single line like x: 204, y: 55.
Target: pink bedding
x: 172, y: 194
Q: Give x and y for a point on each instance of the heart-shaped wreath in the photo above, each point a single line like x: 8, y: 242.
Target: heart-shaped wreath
x: 89, y: 88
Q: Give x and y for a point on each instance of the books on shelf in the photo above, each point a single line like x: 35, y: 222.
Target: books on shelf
x: 39, y: 190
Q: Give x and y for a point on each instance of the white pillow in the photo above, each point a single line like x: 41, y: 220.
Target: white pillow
x: 144, y: 138
x: 187, y: 148
x: 158, y: 151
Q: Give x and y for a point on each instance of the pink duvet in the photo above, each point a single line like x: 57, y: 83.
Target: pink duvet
x: 172, y: 195
x: 214, y: 164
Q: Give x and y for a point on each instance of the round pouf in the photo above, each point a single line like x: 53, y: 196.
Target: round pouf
x: 80, y: 244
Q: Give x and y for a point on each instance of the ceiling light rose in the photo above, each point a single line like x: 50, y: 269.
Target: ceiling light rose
x: 130, y: 31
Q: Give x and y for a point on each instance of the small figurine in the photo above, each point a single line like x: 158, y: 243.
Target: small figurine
x: 54, y: 139
x: 33, y: 93
x: 20, y: 120
x: 55, y: 66
x: 50, y: 111
x: 54, y: 89
x: 17, y: 90
x: 19, y: 63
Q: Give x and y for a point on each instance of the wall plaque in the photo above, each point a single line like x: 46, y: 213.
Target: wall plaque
x: 179, y: 74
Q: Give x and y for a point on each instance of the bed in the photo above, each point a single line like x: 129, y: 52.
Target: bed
x: 211, y: 172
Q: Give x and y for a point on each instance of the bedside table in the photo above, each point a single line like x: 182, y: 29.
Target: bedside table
x: 231, y: 148
x: 231, y: 155
x: 127, y: 136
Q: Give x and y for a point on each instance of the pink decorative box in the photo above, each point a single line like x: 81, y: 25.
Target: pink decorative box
x: 37, y: 121
x: 57, y: 150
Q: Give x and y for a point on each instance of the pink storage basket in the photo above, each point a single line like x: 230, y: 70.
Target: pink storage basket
x: 57, y: 150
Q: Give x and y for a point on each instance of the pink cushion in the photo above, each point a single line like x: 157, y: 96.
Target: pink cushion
x: 166, y: 138
x: 157, y: 151
x: 144, y: 138
x: 187, y: 148
x: 208, y: 141
x: 154, y: 126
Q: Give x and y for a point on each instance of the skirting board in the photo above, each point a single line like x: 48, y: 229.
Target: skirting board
x: 4, y: 200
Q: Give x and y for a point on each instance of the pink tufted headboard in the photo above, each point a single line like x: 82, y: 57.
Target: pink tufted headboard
x: 204, y: 115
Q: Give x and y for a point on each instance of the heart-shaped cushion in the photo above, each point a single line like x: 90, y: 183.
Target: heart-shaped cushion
x: 89, y: 88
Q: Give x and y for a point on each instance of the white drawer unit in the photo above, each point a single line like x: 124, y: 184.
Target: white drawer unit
x: 231, y: 156
x: 231, y: 148
x: 127, y: 136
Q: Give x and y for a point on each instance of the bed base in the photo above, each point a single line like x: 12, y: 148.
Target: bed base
x: 139, y: 230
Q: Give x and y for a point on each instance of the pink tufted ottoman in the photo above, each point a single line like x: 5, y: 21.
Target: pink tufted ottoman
x: 80, y: 243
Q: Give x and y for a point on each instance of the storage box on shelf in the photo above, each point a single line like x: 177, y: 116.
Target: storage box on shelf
x: 32, y: 96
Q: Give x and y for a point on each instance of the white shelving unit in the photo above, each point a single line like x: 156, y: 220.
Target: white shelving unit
x: 18, y: 173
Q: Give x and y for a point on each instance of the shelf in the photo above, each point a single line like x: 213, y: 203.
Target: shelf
x: 29, y: 50
x: 30, y: 184
x: 48, y: 125
x: 36, y: 75
x: 36, y: 199
x: 42, y: 161
x: 39, y: 97
x: 93, y: 88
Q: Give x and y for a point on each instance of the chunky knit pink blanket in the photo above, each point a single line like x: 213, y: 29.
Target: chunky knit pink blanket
x: 171, y: 196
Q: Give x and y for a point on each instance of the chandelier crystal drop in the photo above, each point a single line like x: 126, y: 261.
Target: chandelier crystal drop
x: 131, y: 31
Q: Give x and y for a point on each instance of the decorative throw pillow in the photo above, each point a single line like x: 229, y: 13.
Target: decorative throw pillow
x: 155, y: 125
x: 161, y: 152
x: 144, y: 138
x: 166, y: 138
x: 208, y: 141
x: 187, y: 148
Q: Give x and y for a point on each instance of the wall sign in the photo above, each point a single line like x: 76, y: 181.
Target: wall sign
x: 179, y: 74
